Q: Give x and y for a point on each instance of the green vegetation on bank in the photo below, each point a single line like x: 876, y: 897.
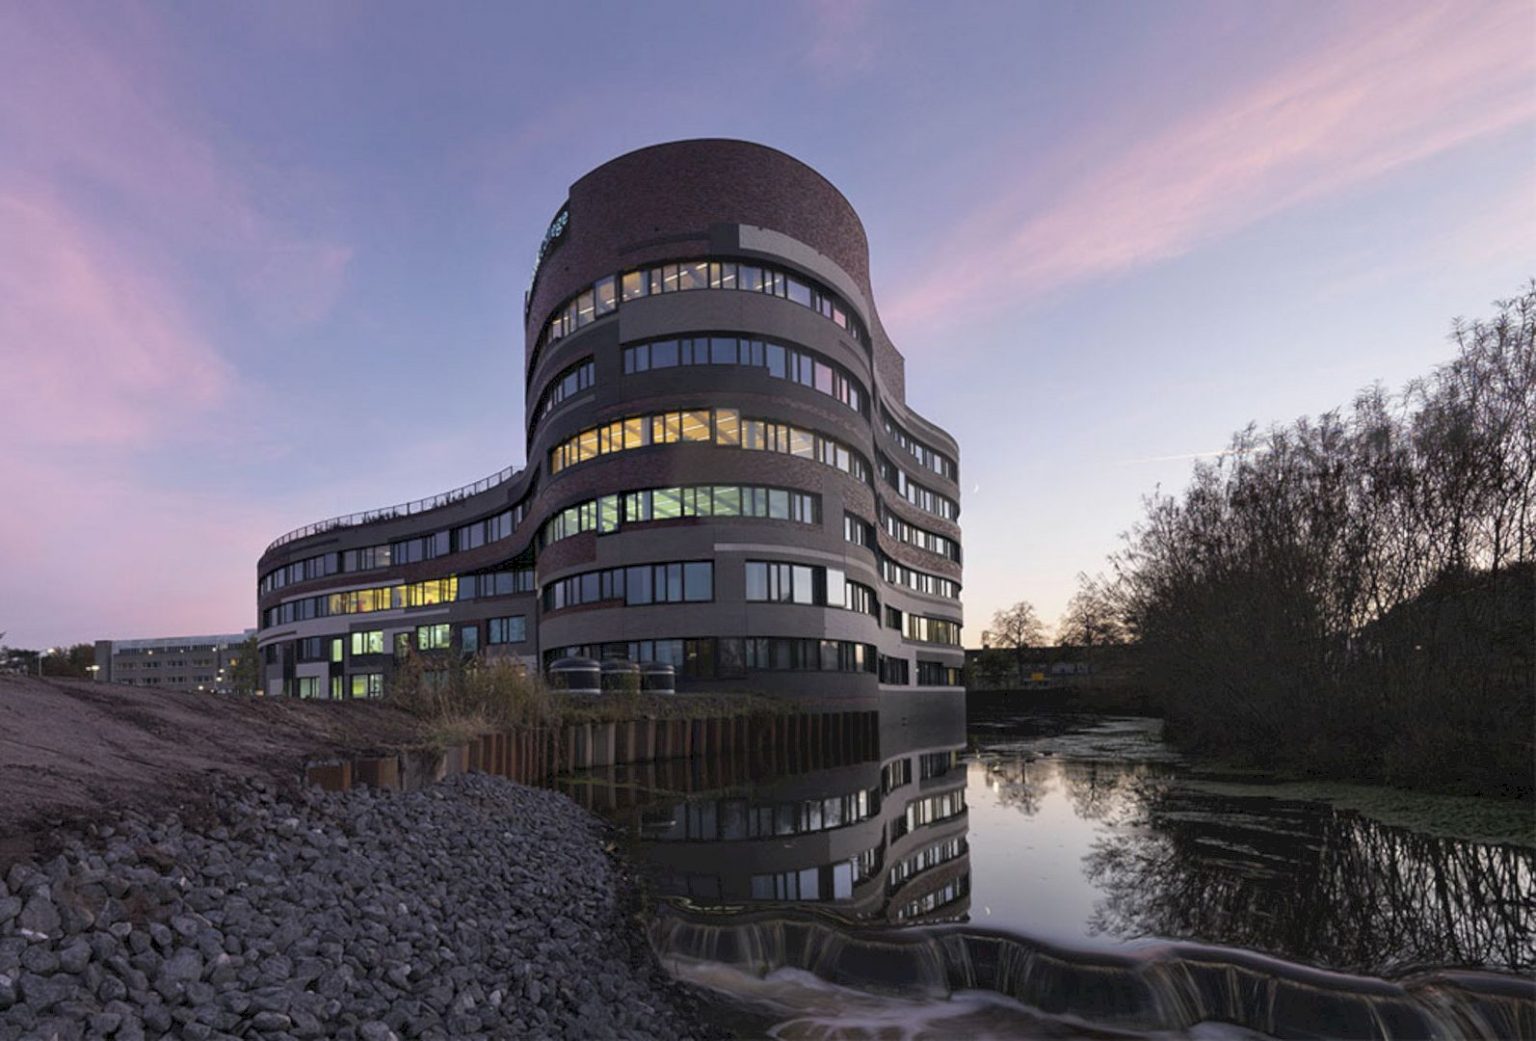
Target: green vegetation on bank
x: 1354, y: 596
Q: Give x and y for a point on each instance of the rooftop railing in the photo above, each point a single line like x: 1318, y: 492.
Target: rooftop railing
x: 404, y: 509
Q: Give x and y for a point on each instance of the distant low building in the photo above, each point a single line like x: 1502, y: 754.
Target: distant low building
x: 192, y: 663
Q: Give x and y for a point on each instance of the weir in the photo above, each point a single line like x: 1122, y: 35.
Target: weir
x: 1155, y: 987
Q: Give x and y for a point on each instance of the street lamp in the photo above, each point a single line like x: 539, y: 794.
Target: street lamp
x: 40, y: 657
x: 95, y: 671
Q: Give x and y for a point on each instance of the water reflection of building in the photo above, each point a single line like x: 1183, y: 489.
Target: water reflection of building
x: 877, y: 840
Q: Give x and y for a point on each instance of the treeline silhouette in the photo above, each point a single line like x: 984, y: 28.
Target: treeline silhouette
x: 1355, y: 596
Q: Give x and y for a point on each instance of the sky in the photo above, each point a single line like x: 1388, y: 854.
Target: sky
x: 262, y: 264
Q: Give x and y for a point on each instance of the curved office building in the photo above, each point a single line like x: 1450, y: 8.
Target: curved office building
x: 723, y: 472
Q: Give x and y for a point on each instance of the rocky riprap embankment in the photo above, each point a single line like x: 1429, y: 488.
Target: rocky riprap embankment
x: 475, y: 908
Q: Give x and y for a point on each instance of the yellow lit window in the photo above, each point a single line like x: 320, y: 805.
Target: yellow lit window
x: 666, y: 428
x: 695, y: 425
x: 586, y: 445
x: 727, y: 426
x: 634, y: 432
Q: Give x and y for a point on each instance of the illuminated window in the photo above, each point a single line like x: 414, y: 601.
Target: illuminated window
x: 367, y: 684
x: 435, y: 637
x: 695, y: 425
x: 370, y: 641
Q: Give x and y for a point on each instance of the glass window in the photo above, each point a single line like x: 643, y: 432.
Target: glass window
x: 778, y: 504
x: 722, y: 350
x: 757, y: 580
x: 634, y: 285
x: 369, y: 642
x: 694, y: 275
x: 469, y: 639
x: 606, y: 298
x: 727, y: 427
x: 804, y: 585
x: 637, y: 582
x: 634, y: 432
x: 727, y: 501
x: 695, y: 425
x: 722, y: 276
x: 666, y: 503
x: 699, y: 581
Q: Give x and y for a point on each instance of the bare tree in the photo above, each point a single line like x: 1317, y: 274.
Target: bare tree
x: 1092, y: 618
x: 1018, y: 628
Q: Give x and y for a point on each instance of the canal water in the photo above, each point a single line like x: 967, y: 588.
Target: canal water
x: 1058, y: 876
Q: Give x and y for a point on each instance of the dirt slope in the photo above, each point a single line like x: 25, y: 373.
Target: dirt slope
x: 71, y: 749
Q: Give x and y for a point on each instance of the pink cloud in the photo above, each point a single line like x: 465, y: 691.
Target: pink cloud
x: 100, y: 350
x: 92, y: 104
x: 1397, y: 86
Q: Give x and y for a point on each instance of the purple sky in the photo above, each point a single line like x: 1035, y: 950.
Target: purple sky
x: 262, y: 264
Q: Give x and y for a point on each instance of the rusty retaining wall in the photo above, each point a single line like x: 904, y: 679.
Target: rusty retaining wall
x: 704, y: 753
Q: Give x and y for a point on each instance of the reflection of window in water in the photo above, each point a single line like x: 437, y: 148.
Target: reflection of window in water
x: 826, y: 882
x: 924, y: 859
x: 728, y: 819
x: 936, y: 764
x: 928, y: 810
x: 932, y: 901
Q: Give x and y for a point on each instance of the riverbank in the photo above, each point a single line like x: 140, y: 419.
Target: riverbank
x: 70, y: 749
x: 1432, y: 804
x: 474, y: 908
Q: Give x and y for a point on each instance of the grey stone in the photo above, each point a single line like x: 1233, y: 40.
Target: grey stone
x: 157, y: 1017
x: 75, y: 956
x: 269, y: 1021
x: 106, y: 1022
x: 185, y: 965
x: 40, y: 959
x: 39, y: 915
x: 112, y: 989
x: 41, y: 993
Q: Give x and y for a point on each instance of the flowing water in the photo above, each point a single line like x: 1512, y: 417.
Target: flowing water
x: 1071, y: 877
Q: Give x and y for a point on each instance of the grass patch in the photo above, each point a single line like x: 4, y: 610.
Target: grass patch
x: 457, y: 701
